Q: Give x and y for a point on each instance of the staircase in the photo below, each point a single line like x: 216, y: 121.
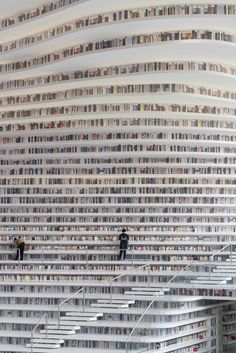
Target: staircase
x: 53, y: 335
x: 220, y: 274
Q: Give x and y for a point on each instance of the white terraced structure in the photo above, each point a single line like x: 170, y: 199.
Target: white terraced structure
x: 118, y: 114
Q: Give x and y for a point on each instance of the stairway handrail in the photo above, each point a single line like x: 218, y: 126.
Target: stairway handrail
x: 127, y: 273
x: 219, y: 251
x: 152, y: 301
x: 163, y: 288
x: 66, y: 300
x: 36, y: 326
x: 211, y: 258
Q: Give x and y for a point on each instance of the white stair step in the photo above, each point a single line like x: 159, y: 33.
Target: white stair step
x: 64, y: 326
x: 50, y: 336
x: 77, y: 313
x: 155, y: 289
x: 40, y: 350
x: 227, y: 266
x: 116, y: 301
x: 215, y: 278
x: 109, y: 305
x: 150, y: 294
x: 230, y: 270
x: 47, y: 340
x: 78, y: 318
x: 59, y: 332
x: 207, y: 282
x: 43, y: 345
x: 224, y: 269
x: 227, y: 278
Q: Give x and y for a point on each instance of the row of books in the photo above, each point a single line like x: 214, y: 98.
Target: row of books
x: 116, y: 90
x: 106, y: 137
x: 210, y: 229
x: 36, y: 12
x: 115, y: 108
x: 45, y: 127
x: 121, y: 219
x: 88, y: 211
x: 133, y: 191
x: 131, y: 181
x: 124, y: 42
x: 108, y: 18
x: 140, y: 161
x: 118, y: 70
x: 116, y: 171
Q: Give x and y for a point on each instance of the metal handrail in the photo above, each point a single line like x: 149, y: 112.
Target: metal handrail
x: 211, y: 258
x: 167, y: 285
x: 42, y: 256
x: 127, y: 273
x: 34, y: 329
x: 219, y: 251
x: 152, y: 301
x: 64, y: 301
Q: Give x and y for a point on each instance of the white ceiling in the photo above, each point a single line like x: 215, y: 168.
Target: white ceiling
x: 12, y: 7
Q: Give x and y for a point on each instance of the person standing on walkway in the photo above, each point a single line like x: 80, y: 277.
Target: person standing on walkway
x: 20, y: 246
x: 124, y: 240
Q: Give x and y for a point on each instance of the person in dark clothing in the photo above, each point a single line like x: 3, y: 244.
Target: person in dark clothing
x: 20, y: 246
x: 124, y: 240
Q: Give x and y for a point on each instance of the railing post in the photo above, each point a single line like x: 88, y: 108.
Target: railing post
x: 42, y: 256
x: 46, y: 325
x: 59, y: 317
x: 149, y: 274
x: 126, y: 347
x: 31, y: 341
x: 111, y: 292
x: 231, y: 253
x: 209, y: 268
x: 87, y: 257
x: 45, y: 316
x: 83, y: 299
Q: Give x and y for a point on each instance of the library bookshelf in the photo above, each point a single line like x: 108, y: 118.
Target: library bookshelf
x: 118, y: 114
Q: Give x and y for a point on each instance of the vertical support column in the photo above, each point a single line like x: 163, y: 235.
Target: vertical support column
x: 149, y: 275
x: 111, y: 292
x: 42, y: 255
x: 59, y: 317
x: 46, y: 326
x: 83, y: 299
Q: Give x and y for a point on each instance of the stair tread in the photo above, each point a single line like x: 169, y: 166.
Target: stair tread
x: 43, y: 345
x: 64, y: 326
x: 75, y: 313
x: 109, y: 305
x: 207, y: 282
x: 47, y: 340
x: 77, y: 318
x: 61, y: 332
x: 149, y: 289
x: 150, y: 294
x: 116, y: 301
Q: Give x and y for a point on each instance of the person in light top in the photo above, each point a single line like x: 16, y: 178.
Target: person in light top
x: 20, y: 246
